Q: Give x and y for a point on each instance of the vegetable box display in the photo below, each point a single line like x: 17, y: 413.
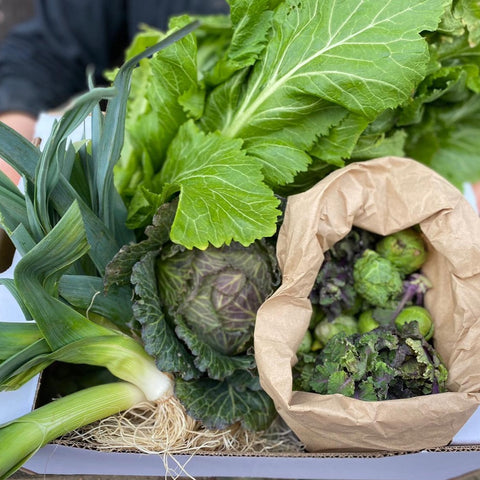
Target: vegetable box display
x: 148, y: 247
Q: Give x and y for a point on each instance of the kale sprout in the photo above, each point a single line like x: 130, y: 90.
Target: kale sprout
x: 333, y: 290
x: 405, y: 249
x: 417, y: 314
x: 383, y: 364
x: 327, y: 329
x: 376, y: 279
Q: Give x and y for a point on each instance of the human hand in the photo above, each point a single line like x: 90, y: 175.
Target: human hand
x: 24, y: 124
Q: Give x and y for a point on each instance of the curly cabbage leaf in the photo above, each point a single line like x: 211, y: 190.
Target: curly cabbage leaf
x: 221, y: 404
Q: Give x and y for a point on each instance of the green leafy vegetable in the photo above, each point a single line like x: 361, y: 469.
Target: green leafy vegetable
x: 289, y: 90
x: 197, y: 310
x: 379, y: 365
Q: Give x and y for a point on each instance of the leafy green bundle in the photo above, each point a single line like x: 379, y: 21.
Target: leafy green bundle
x: 245, y: 109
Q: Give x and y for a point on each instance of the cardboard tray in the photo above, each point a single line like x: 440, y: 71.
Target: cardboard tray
x: 426, y: 465
x: 461, y: 457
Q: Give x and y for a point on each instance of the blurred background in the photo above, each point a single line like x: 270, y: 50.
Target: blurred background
x: 12, y: 12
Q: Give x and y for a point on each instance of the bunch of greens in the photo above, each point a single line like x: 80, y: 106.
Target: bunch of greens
x: 219, y: 124
x: 369, y: 332
x: 383, y: 364
x: 271, y: 99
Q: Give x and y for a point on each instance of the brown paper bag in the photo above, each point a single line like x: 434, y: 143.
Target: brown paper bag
x: 382, y: 195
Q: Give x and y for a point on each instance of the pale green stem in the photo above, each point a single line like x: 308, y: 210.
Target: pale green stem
x: 21, y: 438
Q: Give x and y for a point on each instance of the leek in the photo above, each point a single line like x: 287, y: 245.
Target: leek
x: 68, y: 225
x: 21, y: 438
x: 14, y: 337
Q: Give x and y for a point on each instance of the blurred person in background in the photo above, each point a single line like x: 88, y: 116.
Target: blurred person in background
x: 44, y: 60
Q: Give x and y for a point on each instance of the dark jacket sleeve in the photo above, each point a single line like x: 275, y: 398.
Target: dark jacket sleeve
x: 43, y: 62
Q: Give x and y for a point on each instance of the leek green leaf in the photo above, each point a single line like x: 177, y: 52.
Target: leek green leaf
x: 24, y: 364
x: 37, y: 274
x: 12, y: 206
x: 14, y: 336
x: 87, y: 294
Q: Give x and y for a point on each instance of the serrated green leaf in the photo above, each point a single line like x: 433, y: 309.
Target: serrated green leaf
x: 366, y: 56
x: 338, y: 145
x: 222, y: 194
x: 376, y: 146
x: 220, y: 404
x: 280, y: 160
x: 251, y: 26
x: 165, y: 79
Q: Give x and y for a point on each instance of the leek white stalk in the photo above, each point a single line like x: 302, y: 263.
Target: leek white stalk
x: 21, y: 438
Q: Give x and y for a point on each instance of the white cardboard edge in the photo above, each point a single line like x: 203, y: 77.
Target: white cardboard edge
x: 61, y: 460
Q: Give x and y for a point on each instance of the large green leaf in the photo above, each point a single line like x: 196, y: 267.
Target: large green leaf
x: 251, y: 22
x: 155, y: 111
x: 364, y: 55
x: 222, y: 194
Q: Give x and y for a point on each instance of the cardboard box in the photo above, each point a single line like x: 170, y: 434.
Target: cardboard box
x: 461, y: 457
